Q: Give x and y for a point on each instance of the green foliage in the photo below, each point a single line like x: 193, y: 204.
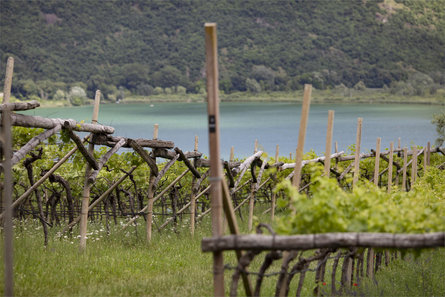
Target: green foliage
x: 366, y: 209
x: 280, y: 44
x: 439, y: 122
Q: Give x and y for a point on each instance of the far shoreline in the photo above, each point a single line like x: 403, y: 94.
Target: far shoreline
x: 333, y: 96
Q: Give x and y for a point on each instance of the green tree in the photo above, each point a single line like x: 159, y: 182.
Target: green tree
x: 439, y: 122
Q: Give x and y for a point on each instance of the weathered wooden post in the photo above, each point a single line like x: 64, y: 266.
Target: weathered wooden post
x: 414, y: 166
x: 336, y: 159
x: 252, y: 194
x: 215, y: 163
x: 377, y: 161
x: 390, y: 165
x: 6, y: 141
x: 357, y: 152
x: 302, y: 135
x: 327, y: 160
x: 87, y: 185
x: 274, y: 194
x: 428, y: 156
x: 193, y: 194
x: 405, y: 165
x: 151, y: 192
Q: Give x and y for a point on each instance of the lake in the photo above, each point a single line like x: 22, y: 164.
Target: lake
x: 270, y: 123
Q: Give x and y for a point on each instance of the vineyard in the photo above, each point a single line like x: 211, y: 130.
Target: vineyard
x: 323, y: 208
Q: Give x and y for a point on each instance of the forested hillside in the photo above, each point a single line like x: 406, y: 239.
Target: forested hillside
x: 148, y: 47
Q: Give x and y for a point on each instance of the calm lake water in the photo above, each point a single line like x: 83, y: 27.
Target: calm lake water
x: 270, y: 123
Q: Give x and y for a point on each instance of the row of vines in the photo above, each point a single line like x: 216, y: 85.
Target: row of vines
x: 58, y: 200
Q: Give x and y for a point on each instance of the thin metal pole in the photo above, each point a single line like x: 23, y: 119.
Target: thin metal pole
x: 214, y: 148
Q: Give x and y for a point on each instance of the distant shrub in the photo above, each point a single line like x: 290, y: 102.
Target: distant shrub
x: 158, y: 91
x: 59, y: 95
x: 77, y: 96
x: 252, y: 85
x: 181, y: 90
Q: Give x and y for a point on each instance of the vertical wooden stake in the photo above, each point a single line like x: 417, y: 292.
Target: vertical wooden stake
x: 6, y: 139
x: 86, y: 185
x: 215, y: 164
x: 251, y: 206
x: 252, y: 195
x: 399, y: 146
x: 390, y: 165
x: 405, y: 161
x: 414, y: 166
x: 302, y: 135
x: 151, y: 194
x: 290, y: 156
x: 155, y: 131
x: 232, y: 156
x: 357, y: 152
x: 377, y: 161
x: 274, y: 195
x: 336, y: 159
x: 428, y: 157
x: 327, y: 160
x: 193, y: 195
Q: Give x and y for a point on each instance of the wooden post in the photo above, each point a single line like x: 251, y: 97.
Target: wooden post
x: 232, y: 156
x: 370, y: 263
x: 391, y: 155
x: 336, y: 159
x: 327, y: 160
x: 399, y: 146
x: 193, y: 196
x: 252, y: 194
x: 302, y: 135
x: 357, y: 152
x: 155, y: 131
x: 414, y: 166
x: 151, y: 192
x: 215, y: 163
x: 428, y: 157
x: 405, y: 162
x: 377, y: 161
x: 87, y: 186
x: 6, y: 139
x: 274, y: 195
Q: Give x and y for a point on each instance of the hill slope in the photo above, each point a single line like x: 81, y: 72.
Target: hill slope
x: 264, y: 45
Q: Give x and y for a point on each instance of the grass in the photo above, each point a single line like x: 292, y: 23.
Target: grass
x: 122, y: 264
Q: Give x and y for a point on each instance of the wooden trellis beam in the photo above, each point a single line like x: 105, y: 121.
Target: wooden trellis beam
x: 87, y: 155
x: 104, y: 160
x: 145, y: 156
x: 32, y: 143
x: 322, y: 240
x: 15, y: 106
x: 108, y: 140
x: 187, y: 163
x: 46, y: 123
